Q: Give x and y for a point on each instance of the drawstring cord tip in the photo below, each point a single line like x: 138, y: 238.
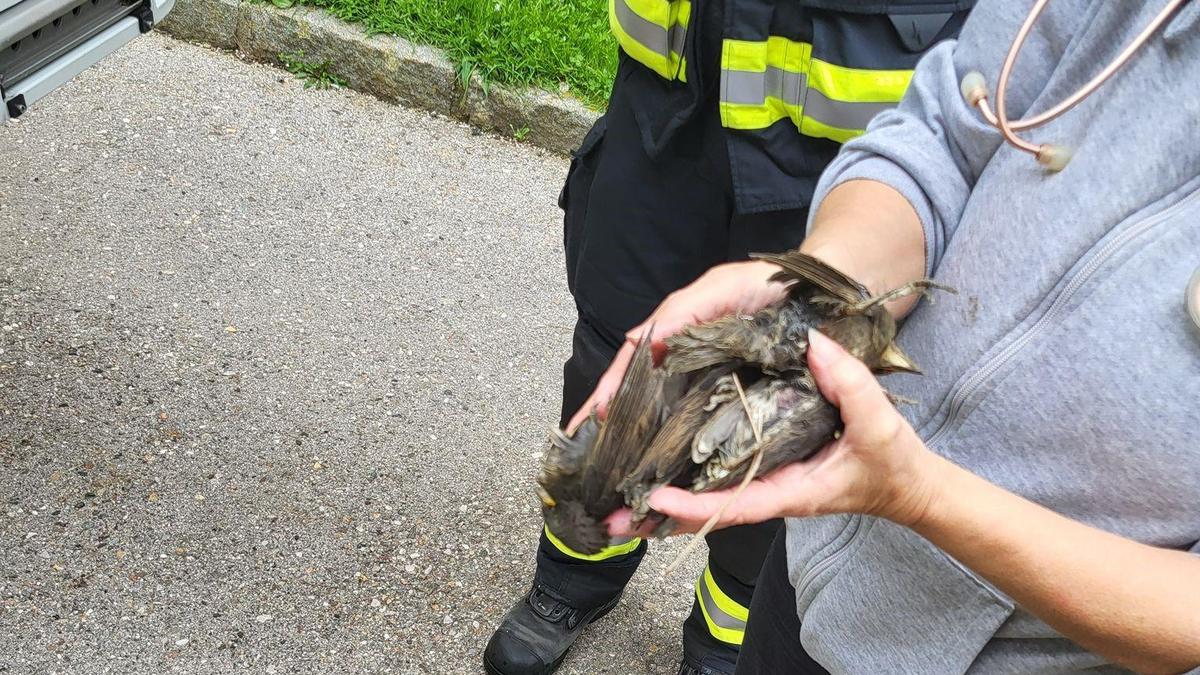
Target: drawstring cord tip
x: 974, y: 87
x: 1054, y: 157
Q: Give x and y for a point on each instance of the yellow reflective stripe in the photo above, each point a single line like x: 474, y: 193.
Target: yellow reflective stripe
x: 682, y: 10
x: 726, y: 603
x: 729, y: 635
x: 657, y: 12
x: 856, y: 85
x: 764, y: 82
x: 817, y: 129
x: 652, y: 32
x: 726, y: 619
x: 604, y: 554
x: 631, y: 46
x: 683, y: 14
x: 755, y: 56
x: 750, y: 117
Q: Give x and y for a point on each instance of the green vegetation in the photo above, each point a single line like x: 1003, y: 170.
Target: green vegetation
x: 314, y: 75
x: 543, y: 43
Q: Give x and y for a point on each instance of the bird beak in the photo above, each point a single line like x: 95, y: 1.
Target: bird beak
x: 895, y: 361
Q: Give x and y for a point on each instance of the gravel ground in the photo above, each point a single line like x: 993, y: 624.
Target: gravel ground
x: 275, y: 369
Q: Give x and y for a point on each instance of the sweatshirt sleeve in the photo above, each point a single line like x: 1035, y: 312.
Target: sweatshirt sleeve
x: 933, y: 146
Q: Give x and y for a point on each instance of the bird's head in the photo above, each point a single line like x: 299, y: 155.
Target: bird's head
x: 888, y: 357
x: 894, y: 360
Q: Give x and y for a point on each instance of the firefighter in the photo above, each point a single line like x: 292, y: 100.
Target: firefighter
x: 722, y: 116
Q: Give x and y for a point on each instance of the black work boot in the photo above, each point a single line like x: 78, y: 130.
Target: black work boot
x: 536, y: 633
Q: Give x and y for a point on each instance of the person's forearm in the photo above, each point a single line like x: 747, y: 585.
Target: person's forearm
x: 1136, y: 604
x: 869, y: 231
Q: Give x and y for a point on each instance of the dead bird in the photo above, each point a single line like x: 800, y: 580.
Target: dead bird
x: 727, y: 391
x: 707, y: 443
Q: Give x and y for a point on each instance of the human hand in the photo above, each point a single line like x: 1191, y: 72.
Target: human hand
x: 878, y: 466
x: 732, y: 288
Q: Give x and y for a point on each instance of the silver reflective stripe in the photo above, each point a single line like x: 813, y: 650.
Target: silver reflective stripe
x: 841, y: 114
x: 739, y: 86
x: 750, y: 88
x: 648, y: 34
x: 715, y: 613
x: 678, y: 34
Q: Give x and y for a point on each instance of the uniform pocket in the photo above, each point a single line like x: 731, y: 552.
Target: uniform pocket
x: 590, y: 141
x: 573, y: 198
x: 897, y: 603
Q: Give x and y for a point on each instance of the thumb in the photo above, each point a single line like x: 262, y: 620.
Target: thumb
x: 653, y: 331
x: 843, y: 379
x: 611, y: 380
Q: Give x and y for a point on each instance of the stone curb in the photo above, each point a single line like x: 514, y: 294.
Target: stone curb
x: 388, y: 67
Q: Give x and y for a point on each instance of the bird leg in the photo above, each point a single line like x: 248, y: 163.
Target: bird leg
x: 922, y: 286
x: 724, y: 393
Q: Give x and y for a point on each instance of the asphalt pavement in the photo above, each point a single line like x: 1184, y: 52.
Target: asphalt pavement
x: 276, y: 367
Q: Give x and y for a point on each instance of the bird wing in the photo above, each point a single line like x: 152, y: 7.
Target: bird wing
x: 798, y: 423
x: 806, y: 272
x: 752, y: 339
x: 667, y: 456
x: 634, y: 417
x: 564, y: 459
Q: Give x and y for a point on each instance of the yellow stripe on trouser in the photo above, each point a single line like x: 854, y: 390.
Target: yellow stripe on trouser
x: 604, y: 554
x: 652, y: 32
x: 763, y: 82
x: 726, y: 619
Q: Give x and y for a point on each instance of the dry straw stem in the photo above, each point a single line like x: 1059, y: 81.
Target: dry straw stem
x: 750, y: 473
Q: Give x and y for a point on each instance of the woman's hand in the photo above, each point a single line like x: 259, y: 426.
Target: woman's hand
x: 878, y: 466
x: 733, y: 288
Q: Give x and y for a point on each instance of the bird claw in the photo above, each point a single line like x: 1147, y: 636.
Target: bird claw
x: 922, y: 286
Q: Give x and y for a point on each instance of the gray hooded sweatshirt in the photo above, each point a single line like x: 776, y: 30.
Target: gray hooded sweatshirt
x: 1067, y: 370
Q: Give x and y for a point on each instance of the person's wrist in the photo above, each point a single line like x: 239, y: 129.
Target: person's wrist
x: 853, y: 258
x: 919, y: 492
x: 832, y: 252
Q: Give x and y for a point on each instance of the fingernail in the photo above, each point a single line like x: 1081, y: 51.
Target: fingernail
x: 819, y: 345
x: 823, y: 348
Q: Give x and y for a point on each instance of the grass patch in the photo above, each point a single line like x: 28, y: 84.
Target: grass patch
x: 542, y: 43
x: 314, y: 75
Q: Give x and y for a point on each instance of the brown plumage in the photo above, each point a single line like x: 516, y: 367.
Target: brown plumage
x: 685, y: 424
x: 776, y: 338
